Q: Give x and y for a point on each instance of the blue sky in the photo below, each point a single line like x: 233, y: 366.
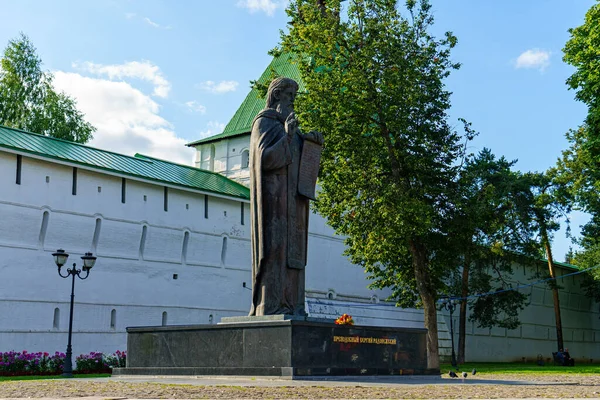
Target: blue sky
x: 153, y: 75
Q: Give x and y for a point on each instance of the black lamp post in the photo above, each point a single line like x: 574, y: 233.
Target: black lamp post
x: 60, y: 258
x: 450, y: 305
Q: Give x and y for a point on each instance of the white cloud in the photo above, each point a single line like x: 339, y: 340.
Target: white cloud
x: 267, y: 6
x: 127, y: 120
x: 212, y: 128
x: 220, y: 87
x: 533, y: 59
x: 144, y: 70
x: 156, y: 25
x: 193, y: 105
x: 130, y: 15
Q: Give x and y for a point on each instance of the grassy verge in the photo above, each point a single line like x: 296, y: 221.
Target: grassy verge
x: 482, y: 368
x: 522, y: 368
x: 36, y: 377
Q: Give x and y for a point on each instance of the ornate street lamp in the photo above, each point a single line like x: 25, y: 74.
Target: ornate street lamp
x: 450, y: 305
x: 60, y: 258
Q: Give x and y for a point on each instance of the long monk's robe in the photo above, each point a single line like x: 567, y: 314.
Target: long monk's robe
x: 279, y: 218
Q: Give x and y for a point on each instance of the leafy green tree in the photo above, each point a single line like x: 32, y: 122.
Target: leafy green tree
x: 581, y: 51
x: 485, y: 287
x: 375, y: 86
x: 579, y: 167
x: 508, y: 217
x: 492, y: 229
x: 28, y: 101
x: 492, y: 275
x: 550, y: 204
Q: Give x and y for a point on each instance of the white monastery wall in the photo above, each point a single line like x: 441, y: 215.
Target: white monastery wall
x: 537, y: 334
x: 179, y: 267
x: 154, y: 266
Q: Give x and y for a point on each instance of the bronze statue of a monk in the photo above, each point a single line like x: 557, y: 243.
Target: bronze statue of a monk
x: 278, y: 212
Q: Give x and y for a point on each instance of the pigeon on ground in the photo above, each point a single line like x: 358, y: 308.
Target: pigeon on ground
x: 453, y: 374
x: 474, y: 371
x: 464, y: 375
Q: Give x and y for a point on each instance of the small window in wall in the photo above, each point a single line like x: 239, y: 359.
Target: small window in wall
x: 242, y: 213
x: 56, y: 319
x: 113, y: 319
x: 205, y: 206
x: 74, y: 189
x: 245, y: 158
x: 123, y: 190
x: 19, y: 165
x: 164, y: 318
x: 166, y: 198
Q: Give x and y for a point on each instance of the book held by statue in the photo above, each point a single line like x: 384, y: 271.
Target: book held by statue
x: 309, y: 169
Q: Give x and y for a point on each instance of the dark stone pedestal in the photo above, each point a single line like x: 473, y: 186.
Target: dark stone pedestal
x: 285, y: 348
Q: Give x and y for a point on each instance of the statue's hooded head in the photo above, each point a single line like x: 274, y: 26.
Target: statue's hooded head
x: 281, y: 95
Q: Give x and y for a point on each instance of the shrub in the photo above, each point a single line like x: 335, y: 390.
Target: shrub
x: 14, y: 363
x: 90, y: 363
x: 117, y: 360
x: 25, y: 363
x: 56, y: 362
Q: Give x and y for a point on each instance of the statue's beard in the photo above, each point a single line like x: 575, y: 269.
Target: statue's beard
x: 285, y: 110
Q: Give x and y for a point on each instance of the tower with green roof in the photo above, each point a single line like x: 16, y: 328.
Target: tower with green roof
x: 227, y: 152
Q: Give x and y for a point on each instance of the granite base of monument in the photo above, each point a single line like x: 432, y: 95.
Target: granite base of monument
x: 275, y: 346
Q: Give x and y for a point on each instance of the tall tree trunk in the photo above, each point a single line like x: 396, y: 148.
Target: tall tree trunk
x: 427, y: 293
x: 559, y: 335
x: 462, y: 321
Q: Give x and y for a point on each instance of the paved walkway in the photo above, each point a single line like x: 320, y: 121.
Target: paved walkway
x: 128, y: 398
x: 227, y: 387
x: 380, y: 381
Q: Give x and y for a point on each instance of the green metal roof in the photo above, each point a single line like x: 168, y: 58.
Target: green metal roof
x: 241, y: 121
x: 139, y: 166
x: 563, y: 264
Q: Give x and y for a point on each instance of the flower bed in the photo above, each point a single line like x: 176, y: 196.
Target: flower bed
x: 14, y: 363
x: 98, y: 363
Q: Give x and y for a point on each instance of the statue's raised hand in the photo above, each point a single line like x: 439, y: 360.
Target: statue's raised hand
x: 291, y: 124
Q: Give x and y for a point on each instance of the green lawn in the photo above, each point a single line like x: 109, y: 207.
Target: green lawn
x: 34, y: 377
x: 522, y: 368
x: 486, y: 368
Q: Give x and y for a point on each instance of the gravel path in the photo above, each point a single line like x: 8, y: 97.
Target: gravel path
x: 546, y: 386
